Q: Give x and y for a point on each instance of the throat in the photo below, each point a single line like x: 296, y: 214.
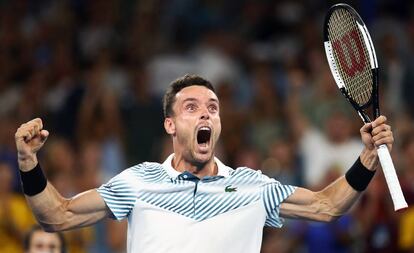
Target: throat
x: 197, y: 168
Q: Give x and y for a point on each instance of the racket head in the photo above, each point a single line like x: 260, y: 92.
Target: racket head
x: 352, y: 59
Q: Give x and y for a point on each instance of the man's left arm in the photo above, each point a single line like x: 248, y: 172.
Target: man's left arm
x: 338, y: 197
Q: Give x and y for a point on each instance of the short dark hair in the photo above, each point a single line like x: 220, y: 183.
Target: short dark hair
x: 179, y: 84
x: 28, y: 238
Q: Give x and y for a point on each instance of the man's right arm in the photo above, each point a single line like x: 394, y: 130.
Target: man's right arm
x: 53, y: 212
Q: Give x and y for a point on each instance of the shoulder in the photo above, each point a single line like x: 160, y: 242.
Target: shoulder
x: 146, y: 171
x: 245, y: 173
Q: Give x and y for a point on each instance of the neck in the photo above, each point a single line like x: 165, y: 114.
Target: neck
x: 200, y: 170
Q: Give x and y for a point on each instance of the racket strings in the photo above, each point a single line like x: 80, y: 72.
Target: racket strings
x: 352, y: 59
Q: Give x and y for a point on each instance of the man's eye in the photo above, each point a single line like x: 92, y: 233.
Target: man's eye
x: 213, y: 108
x: 191, y: 107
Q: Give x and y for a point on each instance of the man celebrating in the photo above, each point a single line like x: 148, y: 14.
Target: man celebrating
x: 193, y: 202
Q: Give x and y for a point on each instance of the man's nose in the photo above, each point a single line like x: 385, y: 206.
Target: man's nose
x: 205, y: 114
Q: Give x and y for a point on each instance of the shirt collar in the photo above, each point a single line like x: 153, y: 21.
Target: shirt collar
x: 223, y: 170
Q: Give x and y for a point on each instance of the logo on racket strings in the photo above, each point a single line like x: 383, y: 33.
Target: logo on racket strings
x: 350, y: 53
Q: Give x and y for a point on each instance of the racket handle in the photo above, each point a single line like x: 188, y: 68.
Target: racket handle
x: 391, y: 178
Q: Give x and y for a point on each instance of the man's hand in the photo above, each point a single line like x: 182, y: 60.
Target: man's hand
x: 373, y: 135
x: 29, y: 138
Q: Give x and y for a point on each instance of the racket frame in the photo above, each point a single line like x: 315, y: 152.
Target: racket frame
x: 374, y: 100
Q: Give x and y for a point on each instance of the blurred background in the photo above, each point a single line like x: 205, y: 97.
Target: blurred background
x: 95, y: 72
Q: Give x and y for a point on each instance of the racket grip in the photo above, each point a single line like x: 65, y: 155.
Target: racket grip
x: 391, y: 178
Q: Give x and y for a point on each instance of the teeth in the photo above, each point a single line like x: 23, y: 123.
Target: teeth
x: 205, y: 128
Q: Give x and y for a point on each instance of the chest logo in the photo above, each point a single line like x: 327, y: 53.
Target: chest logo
x: 230, y: 189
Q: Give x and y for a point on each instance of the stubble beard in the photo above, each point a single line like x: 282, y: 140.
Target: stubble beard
x: 190, y: 154
x: 199, y: 160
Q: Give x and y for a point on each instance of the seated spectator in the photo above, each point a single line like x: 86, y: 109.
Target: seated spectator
x: 15, y: 216
x: 37, y: 241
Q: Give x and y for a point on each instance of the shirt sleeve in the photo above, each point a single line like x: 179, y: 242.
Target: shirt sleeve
x: 274, y: 193
x: 120, y: 194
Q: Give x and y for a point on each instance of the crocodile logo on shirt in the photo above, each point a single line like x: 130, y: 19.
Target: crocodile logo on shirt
x: 230, y: 189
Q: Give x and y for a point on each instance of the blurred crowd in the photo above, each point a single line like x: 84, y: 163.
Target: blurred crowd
x: 95, y: 72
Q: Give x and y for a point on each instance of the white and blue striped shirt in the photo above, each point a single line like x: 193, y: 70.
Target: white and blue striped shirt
x: 171, y: 212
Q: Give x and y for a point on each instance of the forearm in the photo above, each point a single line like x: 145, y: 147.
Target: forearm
x: 49, y: 208
x: 337, y: 198
x: 344, y: 192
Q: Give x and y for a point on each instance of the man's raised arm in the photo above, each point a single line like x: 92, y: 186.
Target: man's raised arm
x: 52, y: 211
x: 338, y: 197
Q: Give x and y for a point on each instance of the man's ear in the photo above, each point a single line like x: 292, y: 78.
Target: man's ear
x: 169, y: 126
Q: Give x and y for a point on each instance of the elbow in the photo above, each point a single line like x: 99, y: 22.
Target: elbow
x: 51, y: 228
x: 328, y: 213
x: 330, y: 218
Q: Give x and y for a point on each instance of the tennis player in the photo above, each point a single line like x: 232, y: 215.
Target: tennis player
x: 192, y: 202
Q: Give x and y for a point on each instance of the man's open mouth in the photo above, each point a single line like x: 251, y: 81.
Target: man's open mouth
x: 203, y: 135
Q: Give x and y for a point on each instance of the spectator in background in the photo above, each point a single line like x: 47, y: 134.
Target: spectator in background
x: 60, y: 165
x: 406, y: 167
x: 406, y: 223
x: 15, y: 216
x: 279, y: 240
x: 339, y: 236
x: 377, y: 220
x: 100, y: 121
x: 408, y: 89
x: 331, y: 149
x: 249, y: 157
x: 33, y: 91
x: 140, y: 104
x: 7, y: 152
x: 39, y: 241
x: 331, y: 146
x: 232, y: 118
x: 266, y: 121
x: 282, y: 162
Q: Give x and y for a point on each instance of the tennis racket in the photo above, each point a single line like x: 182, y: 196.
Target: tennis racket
x: 353, y: 63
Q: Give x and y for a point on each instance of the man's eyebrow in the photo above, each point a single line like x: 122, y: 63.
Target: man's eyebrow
x: 190, y: 99
x: 214, y: 100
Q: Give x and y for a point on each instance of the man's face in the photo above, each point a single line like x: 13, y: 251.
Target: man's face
x: 43, y: 242
x: 195, y: 125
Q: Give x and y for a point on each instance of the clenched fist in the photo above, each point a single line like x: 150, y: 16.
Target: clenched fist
x: 29, y: 138
x: 373, y: 135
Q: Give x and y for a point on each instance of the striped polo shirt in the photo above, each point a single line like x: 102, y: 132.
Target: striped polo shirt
x: 175, y: 212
